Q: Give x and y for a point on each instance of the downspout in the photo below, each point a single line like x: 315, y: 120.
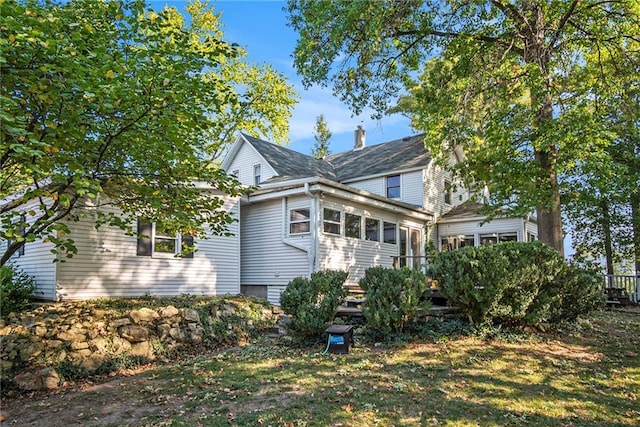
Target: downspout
x: 313, y: 249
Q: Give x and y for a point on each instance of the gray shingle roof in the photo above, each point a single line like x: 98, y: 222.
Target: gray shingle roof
x: 466, y: 210
x: 397, y: 155
x: 291, y: 164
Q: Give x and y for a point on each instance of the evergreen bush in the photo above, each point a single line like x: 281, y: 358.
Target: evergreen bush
x: 514, y: 283
x: 312, y: 303
x: 16, y: 290
x: 394, y: 298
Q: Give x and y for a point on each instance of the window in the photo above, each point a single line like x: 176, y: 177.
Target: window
x: 450, y: 243
x: 389, y: 232
x: 372, y: 229
x: 155, y: 240
x: 393, y: 186
x: 353, y: 226
x: 447, y: 192
x: 257, y: 171
x: 488, y: 239
x: 531, y: 237
x: 299, y: 221
x: 331, y: 221
x: 508, y: 237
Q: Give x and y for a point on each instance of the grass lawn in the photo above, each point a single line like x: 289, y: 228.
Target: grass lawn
x: 587, y: 377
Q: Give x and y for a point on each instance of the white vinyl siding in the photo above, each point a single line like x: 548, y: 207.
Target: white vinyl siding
x: 107, y: 265
x: 270, y: 256
x: 373, y: 185
x: 496, y: 228
x: 37, y: 260
x: 246, y: 158
x: 434, y: 190
x: 411, y: 186
x: 356, y: 255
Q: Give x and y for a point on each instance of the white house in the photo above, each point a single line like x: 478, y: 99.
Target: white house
x: 350, y: 211
x: 370, y: 206
x: 110, y: 263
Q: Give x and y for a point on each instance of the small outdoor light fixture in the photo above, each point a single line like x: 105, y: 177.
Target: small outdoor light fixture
x: 339, y: 338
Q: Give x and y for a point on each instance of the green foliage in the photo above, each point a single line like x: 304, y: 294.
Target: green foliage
x: 514, y: 85
x: 108, y: 104
x: 515, y: 284
x: 312, y: 303
x: 16, y: 290
x: 394, y: 298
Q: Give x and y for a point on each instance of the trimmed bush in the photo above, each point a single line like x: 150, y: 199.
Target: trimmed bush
x: 312, y: 304
x: 16, y: 290
x: 516, y: 284
x: 394, y: 297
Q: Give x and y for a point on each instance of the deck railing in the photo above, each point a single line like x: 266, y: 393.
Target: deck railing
x: 630, y: 283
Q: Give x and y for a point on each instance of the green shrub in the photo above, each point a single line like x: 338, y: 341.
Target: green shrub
x: 394, y: 297
x: 312, y: 304
x: 16, y: 290
x: 514, y: 284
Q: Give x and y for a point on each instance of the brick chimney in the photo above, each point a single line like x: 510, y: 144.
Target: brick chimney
x: 358, y: 138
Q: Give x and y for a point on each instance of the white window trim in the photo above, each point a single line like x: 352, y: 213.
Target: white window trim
x: 345, y: 225
x: 257, y: 166
x: 386, y: 186
x: 448, y: 193
x: 177, y: 243
x: 308, y: 220
x: 379, y: 228
x: 395, y: 231
x: 339, y: 223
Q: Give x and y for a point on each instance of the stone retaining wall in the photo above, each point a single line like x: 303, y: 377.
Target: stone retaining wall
x: 37, y: 344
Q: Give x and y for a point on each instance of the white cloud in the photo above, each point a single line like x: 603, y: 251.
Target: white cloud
x: 318, y: 100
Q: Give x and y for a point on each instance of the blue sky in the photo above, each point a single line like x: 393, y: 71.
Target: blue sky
x: 260, y: 27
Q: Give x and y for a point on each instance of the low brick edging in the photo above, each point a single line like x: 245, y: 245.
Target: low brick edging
x: 82, y: 335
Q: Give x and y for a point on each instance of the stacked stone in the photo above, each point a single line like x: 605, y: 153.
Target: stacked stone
x: 33, y: 343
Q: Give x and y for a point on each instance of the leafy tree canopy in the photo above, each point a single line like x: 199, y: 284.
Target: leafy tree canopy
x: 511, y: 82
x: 108, y: 102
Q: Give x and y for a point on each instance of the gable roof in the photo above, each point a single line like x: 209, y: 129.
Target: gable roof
x: 392, y: 156
x: 471, y: 210
x: 289, y: 163
x: 466, y: 210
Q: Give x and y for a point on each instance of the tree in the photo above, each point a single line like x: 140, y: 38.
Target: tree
x: 497, y: 78
x: 108, y: 104
x: 602, y: 202
x: 322, y: 135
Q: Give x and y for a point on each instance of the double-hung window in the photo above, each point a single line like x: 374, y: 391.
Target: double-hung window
x: 331, y: 220
x: 389, y: 232
x: 393, y: 186
x: 257, y: 172
x: 155, y: 240
x: 372, y: 229
x: 352, y: 226
x: 299, y: 221
x: 448, y: 192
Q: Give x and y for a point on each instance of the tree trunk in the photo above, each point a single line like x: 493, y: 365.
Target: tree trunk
x: 549, y: 216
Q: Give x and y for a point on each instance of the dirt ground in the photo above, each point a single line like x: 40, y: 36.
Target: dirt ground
x: 120, y: 400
